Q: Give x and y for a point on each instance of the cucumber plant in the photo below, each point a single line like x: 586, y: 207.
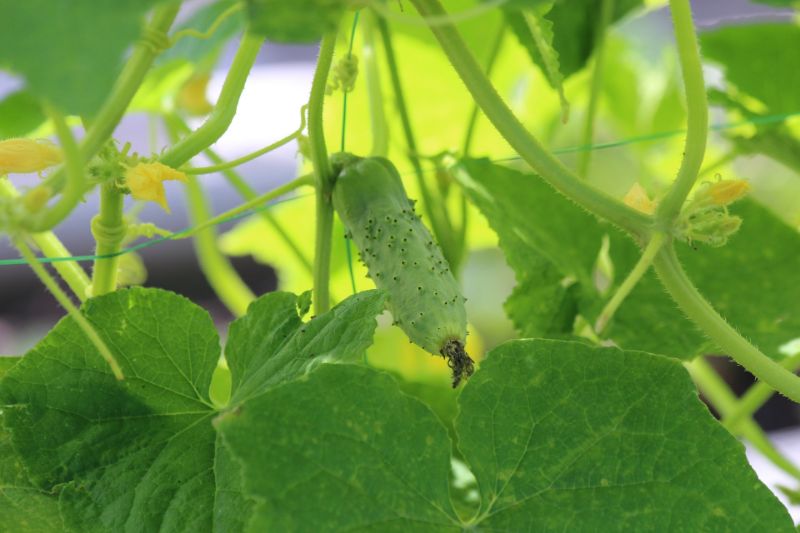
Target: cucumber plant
x: 632, y: 265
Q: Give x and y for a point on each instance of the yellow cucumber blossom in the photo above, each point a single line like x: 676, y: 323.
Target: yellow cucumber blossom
x: 192, y: 96
x: 145, y: 181
x: 21, y: 156
x: 720, y: 193
x: 637, y: 198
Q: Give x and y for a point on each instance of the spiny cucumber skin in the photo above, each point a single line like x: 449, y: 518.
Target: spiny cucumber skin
x: 400, y: 254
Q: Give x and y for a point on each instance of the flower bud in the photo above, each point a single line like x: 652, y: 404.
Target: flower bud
x: 28, y: 155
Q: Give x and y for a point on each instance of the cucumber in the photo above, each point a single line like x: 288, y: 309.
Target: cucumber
x: 402, y: 258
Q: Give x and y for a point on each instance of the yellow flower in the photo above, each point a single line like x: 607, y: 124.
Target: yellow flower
x: 28, y: 155
x: 145, y: 181
x: 726, y: 192
x: 637, y: 198
x: 192, y: 96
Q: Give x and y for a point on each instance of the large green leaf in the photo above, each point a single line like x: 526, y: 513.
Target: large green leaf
x: 295, y: 21
x: 760, y: 60
x: 22, y: 506
x: 560, y: 436
x: 69, y: 52
x: 141, y: 454
x: 540, y: 230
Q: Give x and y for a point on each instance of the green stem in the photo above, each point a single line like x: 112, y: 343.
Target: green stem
x: 606, y: 12
x: 76, y: 182
x: 440, y: 224
x: 323, y: 174
x: 51, y: 246
x: 639, y: 270
x: 494, y: 53
x: 153, y: 40
x: 63, y: 299
x: 254, y: 202
x: 246, y: 192
x: 221, y: 166
x: 755, y: 397
x: 377, y: 116
x: 697, y: 113
x: 701, y: 313
x: 717, y: 392
x: 225, y: 109
x: 223, y: 278
x: 544, y: 163
x: 109, y: 228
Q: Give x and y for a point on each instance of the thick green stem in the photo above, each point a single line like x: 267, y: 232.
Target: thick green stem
x: 74, y: 312
x: 223, y: 278
x: 755, y: 397
x: 701, y: 313
x: 51, y: 246
x: 697, y: 113
x: 639, y: 270
x: 725, y: 402
x: 323, y: 174
x: 153, y: 40
x: 109, y: 228
x: 225, y: 109
x: 606, y: 12
x: 494, y: 53
x: 542, y: 161
x: 439, y: 222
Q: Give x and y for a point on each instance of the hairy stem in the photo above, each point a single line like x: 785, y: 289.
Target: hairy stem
x: 755, y: 397
x: 606, y: 12
x: 701, y: 313
x: 725, y: 402
x: 542, y: 161
x: 639, y: 270
x: 66, y: 303
x: 323, y: 174
x: 225, y: 109
x: 697, y: 113
x: 109, y: 228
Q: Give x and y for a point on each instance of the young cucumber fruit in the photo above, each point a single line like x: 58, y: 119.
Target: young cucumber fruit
x: 402, y: 257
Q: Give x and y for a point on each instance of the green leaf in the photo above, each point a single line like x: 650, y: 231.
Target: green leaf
x: 373, y: 459
x: 20, y: 114
x: 295, y: 21
x: 742, y: 51
x: 575, y: 29
x: 535, y: 34
x: 549, y: 241
x: 22, y: 506
x: 69, y: 52
x: 560, y: 436
x: 141, y: 454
